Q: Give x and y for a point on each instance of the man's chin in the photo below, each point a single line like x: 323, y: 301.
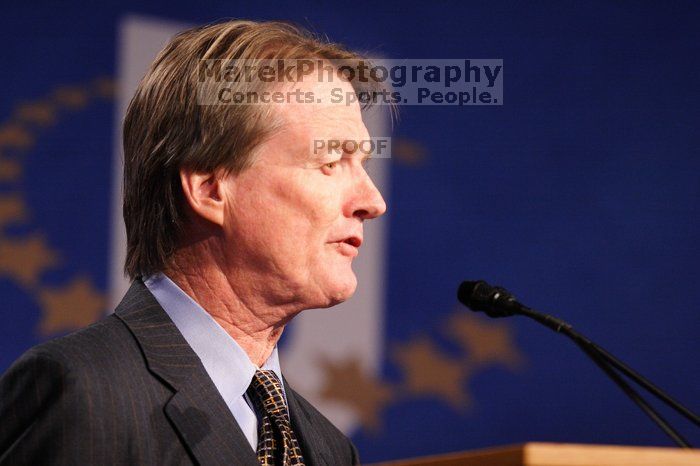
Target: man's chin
x: 341, y: 290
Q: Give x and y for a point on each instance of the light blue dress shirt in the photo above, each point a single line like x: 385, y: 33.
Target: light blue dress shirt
x: 225, y: 361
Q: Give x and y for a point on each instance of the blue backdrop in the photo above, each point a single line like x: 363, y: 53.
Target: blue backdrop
x: 580, y: 194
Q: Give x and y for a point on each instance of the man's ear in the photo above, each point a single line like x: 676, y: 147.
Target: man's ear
x: 204, y: 193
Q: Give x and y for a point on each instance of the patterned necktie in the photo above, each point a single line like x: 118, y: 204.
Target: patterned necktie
x: 277, y: 444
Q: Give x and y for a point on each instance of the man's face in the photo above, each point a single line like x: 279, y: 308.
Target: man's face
x: 294, y: 219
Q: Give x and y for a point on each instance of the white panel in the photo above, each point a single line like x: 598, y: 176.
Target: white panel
x: 139, y: 41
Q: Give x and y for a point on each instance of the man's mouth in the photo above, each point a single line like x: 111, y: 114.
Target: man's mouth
x: 354, y: 241
x: 349, y: 246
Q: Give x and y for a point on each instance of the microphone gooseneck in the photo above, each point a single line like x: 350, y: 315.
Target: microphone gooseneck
x: 497, y: 302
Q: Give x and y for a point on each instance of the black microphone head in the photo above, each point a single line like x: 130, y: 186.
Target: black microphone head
x: 480, y: 296
x: 474, y: 294
x: 465, y: 290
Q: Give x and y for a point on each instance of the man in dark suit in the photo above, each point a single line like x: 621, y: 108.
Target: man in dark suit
x: 235, y: 224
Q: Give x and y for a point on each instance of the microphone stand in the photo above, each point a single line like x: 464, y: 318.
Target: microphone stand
x: 631, y: 393
x: 608, y: 363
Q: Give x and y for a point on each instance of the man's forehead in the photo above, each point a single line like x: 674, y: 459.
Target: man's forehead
x: 311, y: 141
x: 321, y: 96
x: 323, y: 120
x: 313, y: 114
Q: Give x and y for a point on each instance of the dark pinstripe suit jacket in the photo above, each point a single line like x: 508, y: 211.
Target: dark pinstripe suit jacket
x: 130, y: 390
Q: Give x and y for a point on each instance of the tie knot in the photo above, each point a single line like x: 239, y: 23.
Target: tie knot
x: 268, y: 390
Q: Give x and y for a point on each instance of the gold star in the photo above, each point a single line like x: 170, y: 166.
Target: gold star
x: 104, y: 87
x: 41, y: 113
x: 12, y: 209
x: 71, y: 97
x: 13, y: 135
x: 430, y: 372
x: 347, y: 383
x: 408, y: 151
x: 485, y: 342
x: 9, y: 169
x: 26, y: 259
x: 72, y: 307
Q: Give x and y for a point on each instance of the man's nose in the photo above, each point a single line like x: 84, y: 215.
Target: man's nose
x: 369, y: 202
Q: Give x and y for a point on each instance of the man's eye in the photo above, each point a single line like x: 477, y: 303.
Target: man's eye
x: 331, y: 165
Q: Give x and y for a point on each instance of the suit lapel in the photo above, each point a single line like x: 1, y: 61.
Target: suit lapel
x: 313, y: 445
x: 197, y: 410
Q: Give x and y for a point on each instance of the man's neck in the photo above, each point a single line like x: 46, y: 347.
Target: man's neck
x: 235, y: 305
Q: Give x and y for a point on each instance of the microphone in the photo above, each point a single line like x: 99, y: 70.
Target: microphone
x: 497, y: 302
x: 493, y: 300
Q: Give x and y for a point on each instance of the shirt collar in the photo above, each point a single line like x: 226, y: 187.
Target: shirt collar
x: 225, y: 361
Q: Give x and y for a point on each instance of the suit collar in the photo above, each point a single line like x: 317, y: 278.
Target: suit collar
x: 197, y: 411
x: 167, y: 354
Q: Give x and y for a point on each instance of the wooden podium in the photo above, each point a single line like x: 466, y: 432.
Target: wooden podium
x: 554, y: 454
